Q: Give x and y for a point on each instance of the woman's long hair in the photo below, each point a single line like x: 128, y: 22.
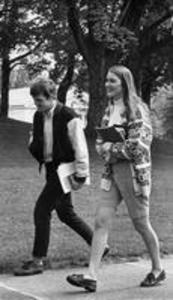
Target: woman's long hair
x: 132, y: 101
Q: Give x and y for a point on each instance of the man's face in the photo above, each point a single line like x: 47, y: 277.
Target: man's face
x: 43, y: 103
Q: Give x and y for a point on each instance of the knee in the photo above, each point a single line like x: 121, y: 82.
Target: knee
x: 102, y: 218
x: 64, y: 215
x: 141, y: 225
x: 64, y: 210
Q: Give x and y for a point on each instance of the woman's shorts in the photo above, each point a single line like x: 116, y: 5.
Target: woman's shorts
x: 122, y: 189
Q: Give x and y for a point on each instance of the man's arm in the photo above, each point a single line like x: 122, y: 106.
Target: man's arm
x: 33, y: 143
x: 79, y: 144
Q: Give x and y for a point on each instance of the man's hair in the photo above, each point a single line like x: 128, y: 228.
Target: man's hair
x: 43, y: 86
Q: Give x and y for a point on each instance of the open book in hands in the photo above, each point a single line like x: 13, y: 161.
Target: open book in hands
x: 111, y: 134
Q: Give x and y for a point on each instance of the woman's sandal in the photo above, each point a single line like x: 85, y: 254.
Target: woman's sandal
x: 80, y: 281
x: 152, y: 280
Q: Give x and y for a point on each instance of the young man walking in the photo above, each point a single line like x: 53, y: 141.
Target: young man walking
x: 57, y: 138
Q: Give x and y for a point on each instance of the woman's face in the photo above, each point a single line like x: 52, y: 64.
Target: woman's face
x: 113, y: 85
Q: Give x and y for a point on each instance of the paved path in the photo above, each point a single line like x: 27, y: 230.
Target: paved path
x: 116, y: 282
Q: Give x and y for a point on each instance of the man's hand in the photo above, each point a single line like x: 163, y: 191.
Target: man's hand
x: 76, y: 185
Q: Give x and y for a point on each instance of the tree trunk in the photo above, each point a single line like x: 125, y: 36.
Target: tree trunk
x: 146, y: 89
x: 97, y: 95
x: 170, y: 68
x: 66, y: 82
x: 5, y: 87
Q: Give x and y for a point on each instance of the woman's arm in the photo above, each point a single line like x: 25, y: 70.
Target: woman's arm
x: 135, y: 147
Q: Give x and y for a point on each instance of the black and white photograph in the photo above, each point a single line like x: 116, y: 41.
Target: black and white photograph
x: 86, y: 150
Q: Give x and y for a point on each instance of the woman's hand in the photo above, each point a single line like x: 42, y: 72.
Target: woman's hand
x: 106, y: 147
x: 105, y: 151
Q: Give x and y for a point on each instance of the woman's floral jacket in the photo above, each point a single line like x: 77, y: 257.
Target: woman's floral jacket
x: 136, y: 149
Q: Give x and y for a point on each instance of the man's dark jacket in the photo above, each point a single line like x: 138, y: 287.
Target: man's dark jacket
x: 62, y: 148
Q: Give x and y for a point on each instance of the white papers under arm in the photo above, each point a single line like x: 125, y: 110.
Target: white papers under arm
x: 64, y: 171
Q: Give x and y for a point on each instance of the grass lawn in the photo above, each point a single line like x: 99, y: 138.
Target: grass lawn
x: 20, y: 185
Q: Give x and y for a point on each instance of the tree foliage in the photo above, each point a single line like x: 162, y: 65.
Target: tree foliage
x: 20, y: 35
x: 105, y: 32
x: 133, y: 33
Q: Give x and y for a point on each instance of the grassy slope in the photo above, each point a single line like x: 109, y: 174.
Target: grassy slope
x: 20, y: 185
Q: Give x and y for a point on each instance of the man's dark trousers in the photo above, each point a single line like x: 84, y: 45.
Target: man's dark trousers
x: 53, y: 198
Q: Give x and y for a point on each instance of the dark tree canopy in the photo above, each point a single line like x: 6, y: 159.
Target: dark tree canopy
x: 104, y: 32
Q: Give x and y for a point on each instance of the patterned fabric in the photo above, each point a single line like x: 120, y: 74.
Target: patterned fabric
x: 135, y: 148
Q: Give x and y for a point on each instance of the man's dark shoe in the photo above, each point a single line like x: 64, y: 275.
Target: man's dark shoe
x: 152, y: 280
x: 79, y: 280
x: 31, y: 267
